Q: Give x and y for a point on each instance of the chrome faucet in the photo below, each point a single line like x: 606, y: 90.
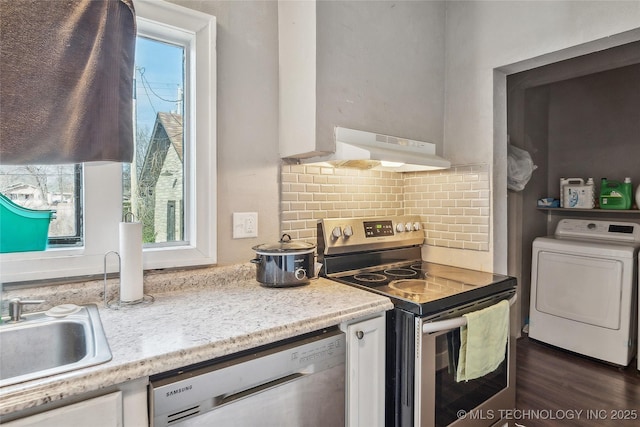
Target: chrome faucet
x: 15, y: 308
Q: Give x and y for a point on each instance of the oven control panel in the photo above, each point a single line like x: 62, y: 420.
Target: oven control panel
x: 378, y: 228
x: 344, y: 235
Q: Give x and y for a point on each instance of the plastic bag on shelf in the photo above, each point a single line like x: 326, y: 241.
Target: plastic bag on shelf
x: 520, y: 167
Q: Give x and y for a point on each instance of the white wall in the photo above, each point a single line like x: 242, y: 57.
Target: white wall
x: 248, y: 160
x: 486, y: 39
x: 480, y: 37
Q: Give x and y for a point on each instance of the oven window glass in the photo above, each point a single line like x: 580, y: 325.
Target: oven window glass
x: 452, y: 396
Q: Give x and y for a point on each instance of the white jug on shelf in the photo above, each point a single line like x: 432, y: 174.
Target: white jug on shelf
x: 638, y: 197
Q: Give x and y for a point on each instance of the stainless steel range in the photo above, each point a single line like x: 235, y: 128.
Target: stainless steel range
x: 383, y: 255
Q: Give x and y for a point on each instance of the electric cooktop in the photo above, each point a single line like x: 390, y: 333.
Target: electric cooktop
x: 383, y: 255
x: 423, y: 287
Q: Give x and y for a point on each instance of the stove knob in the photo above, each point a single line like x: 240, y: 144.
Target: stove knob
x: 408, y: 226
x: 416, y: 226
x: 336, y: 232
x: 400, y: 227
x: 348, y: 231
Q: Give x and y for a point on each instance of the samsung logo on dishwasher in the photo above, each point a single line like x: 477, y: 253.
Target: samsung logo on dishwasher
x: 179, y: 390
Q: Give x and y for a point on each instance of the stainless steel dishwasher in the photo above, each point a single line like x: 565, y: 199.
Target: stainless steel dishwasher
x: 298, y: 383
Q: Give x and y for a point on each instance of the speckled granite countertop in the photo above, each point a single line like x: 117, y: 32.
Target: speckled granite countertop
x: 197, y: 315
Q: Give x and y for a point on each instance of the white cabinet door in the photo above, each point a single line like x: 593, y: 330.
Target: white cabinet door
x: 103, y: 411
x: 134, y: 402
x: 365, y: 386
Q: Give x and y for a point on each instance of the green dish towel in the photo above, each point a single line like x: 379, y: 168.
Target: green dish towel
x: 483, y: 341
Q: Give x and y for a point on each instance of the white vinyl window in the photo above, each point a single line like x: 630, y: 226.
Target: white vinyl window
x: 175, y: 194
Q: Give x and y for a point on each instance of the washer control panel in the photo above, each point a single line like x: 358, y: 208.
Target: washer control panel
x: 601, y: 230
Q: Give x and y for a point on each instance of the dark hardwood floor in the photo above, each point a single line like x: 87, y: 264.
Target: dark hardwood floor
x: 559, y: 388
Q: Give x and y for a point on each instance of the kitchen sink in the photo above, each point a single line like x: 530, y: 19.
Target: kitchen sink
x: 49, y: 343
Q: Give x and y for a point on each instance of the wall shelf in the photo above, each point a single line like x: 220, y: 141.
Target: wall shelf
x: 595, y: 211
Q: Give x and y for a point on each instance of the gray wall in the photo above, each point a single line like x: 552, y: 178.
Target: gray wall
x: 248, y: 161
x: 380, y: 67
x: 594, y: 127
x: 479, y: 37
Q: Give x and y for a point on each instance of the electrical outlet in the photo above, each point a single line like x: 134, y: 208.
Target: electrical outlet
x: 245, y: 225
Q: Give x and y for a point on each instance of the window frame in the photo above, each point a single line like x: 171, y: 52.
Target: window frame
x: 75, y: 240
x: 102, y: 181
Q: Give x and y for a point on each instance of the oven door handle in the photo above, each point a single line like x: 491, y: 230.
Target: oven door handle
x: 456, y: 322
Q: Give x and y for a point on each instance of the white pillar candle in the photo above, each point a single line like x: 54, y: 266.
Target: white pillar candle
x: 131, y: 261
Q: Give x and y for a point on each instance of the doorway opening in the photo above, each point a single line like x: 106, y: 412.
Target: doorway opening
x: 578, y: 116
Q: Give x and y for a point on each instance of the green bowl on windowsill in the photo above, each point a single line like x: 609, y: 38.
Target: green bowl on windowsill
x: 23, y: 229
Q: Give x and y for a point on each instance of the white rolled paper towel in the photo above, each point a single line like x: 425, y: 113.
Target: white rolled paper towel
x: 131, y: 261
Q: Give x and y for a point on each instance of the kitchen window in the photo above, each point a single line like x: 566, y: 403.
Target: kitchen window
x: 48, y: 187
x: 174, y: 196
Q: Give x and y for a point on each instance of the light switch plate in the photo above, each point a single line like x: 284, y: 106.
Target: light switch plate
x: 245, y: 225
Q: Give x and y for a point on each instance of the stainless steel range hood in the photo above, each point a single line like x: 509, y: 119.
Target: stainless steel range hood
x: 368, y: 150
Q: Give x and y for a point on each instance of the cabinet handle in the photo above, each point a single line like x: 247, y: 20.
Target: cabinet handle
x: 359, y: 334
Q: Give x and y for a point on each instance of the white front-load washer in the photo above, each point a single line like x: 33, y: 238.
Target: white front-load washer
x: 584, y: 282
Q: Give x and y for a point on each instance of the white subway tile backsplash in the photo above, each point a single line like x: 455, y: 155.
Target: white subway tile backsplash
x: 289, y: 216
x: 457, y: 244
x: 461, y: 219
x: 297, y: 188
x: 454, y: 204
x: 289, y: 196
x: 289, y: 177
